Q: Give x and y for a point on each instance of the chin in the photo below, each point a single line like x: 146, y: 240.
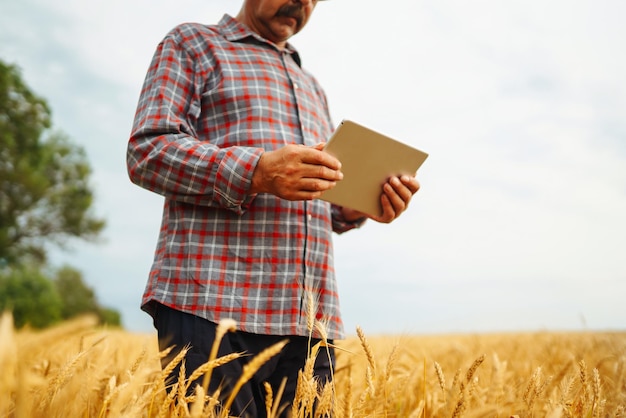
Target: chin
x: 283, y: 34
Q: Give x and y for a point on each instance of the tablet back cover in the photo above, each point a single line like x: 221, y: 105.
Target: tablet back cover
x: 368, y: 159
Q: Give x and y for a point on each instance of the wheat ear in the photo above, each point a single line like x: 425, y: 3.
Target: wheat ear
x: 212, y: 364
x: 596, y: 393
x: 197, y: 408
x: 61, y: 379
x: 182, y: 395
x: 172, y: 365
x: 442, y: 380
x: 584, y: 381
x: 269, y: 398
x: 460, y: 405
x: 367, y: 349
x: 306, y: 391
x: 325, y: 405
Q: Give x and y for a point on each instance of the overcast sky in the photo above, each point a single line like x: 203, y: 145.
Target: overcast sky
x: 521, y: 220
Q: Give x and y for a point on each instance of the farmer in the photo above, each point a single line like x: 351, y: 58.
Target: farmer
x: 229, y: 129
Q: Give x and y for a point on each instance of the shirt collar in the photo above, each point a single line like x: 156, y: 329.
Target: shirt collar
x: 234, y: 31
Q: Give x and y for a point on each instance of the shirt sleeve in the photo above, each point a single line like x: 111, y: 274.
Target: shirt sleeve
x: 340, y: 224
x: 164, y: 154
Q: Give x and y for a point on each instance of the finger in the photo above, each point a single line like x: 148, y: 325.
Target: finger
x: 396, y: 196
x: 318, y: 157
x: 321, y: 172
x: 389, y: 213
x: 395, y: 201
x: 316, y: 185
x: 399, y: 194
x: 303, y: 189
x: 301, y: 195
x: 411, y: 183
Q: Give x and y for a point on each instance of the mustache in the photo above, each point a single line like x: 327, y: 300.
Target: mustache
x: 292, y: 10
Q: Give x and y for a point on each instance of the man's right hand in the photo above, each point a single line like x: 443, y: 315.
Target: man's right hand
x: 296, y: 172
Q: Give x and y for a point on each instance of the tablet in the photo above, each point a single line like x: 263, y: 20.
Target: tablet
x: 368, y: 159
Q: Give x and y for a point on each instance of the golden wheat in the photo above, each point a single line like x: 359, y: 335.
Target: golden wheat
x: 79, y: 369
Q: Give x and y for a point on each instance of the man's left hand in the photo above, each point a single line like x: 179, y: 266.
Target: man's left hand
x: 396, y: 195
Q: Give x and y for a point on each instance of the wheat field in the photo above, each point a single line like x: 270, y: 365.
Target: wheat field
x: 77, y: 369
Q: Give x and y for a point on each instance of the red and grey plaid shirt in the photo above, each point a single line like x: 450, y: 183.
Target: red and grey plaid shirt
x: 214, y: 98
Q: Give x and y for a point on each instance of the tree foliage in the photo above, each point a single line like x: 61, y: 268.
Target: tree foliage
x: 38, y: 301
x: 31, y: 297
x: 79, y: 299
x: 45, y: 196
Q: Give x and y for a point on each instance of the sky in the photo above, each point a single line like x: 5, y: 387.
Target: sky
x: 520, y: 223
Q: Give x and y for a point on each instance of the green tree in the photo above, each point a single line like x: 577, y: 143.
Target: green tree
x: 45, y: 199
x: 109, y: 316
x: 78, y: 298
x: 31, y: 297
x: 45, y: 196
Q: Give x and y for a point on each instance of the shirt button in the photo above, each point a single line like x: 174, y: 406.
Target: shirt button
x: 295, y: 86
x: 310, y: 217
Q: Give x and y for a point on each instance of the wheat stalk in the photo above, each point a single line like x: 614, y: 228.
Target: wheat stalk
x: 138, y: 360
x: 311, y: 311
x: 269, y: 398
x: 306, y: 390
x: 250, y: 369
x: 60, y: 379
x: 210, y: 365
x: 596, y: 393
x: 347, y: 403
x: 197, y: 408
x: 461, y: 402
x: 276, y: 409
x: 456, y: 380
x: 367, y: 349
x: 442, y: 380
x: 584, y: 381
x: 325, y: 404
x: 472, y: 370
x: 167, y: 370
x: 182, y: 393
x: 224, y: 326
x: 460, y: 405
x: 168, y: 401
x: 530, y: 388
x: 118, y: 379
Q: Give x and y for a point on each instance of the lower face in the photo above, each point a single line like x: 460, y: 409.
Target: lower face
x: 278, y: 20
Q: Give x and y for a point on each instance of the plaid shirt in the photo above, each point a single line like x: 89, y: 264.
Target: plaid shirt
x: 214, y: 98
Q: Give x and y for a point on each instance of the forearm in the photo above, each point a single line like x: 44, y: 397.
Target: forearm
x: 183, y: 168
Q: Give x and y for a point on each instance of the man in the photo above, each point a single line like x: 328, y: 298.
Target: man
x: 230, y: 129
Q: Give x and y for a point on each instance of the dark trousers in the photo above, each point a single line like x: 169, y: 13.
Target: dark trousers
x: 180, y: 329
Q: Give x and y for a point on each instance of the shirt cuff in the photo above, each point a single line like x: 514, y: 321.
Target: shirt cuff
x: 234, y: 177
x: 340, y: 224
